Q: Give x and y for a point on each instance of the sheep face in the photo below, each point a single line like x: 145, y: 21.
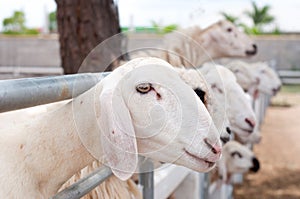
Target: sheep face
x: 237, y: 105
x: 269, y: 81
x: 245, y: 76
x: 145, y: 108
x: 231, y: 41
x: 195, y: 79
x: 239, y: 159
x: 171, y: 123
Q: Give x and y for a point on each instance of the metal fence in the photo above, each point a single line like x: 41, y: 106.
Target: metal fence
x: 28, y: 92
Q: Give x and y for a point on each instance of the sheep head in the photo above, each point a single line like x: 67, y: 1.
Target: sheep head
x: 238, y: 159
x: 269, y: 81
x: 143, y: 107
x: 237, y: 106
x: 245, y: 76
x: 205, y: 92
x: 231, y: 41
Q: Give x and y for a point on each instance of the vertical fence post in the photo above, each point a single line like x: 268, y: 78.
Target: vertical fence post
x: 146, y: 177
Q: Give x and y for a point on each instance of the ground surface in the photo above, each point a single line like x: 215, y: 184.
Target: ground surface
x: 278, y: 152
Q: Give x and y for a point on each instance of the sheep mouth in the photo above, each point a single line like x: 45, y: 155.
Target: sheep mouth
x: 250, y: 52
x: 225, y: 139
x: 201, y: 160
x: 249, y: 131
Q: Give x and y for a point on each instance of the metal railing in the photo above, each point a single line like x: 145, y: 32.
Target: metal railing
x: 28, y: 92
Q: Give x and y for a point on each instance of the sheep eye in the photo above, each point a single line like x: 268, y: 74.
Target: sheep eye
x: 236, y: 153
x: 229, y: 29
x: 214, y: 86
x: 143, y: 88
x: 262, y: 71
x: 201, y: 95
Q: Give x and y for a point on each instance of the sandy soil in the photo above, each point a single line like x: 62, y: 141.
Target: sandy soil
x: 279, y: 154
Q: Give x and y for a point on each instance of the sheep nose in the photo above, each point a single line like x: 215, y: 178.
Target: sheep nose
x: 251, y: 122
x: 213, y: 147
x: 255, y: 166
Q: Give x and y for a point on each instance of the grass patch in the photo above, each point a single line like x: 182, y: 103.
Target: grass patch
x: 282, y: 103
x: 288, y: 88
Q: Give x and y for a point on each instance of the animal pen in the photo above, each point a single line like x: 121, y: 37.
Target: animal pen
x: 28, y: 92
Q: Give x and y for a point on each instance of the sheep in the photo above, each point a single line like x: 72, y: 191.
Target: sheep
x: 225, y: 101
x: 126, y: 114
x: 192, y: 47
x: 197, y: 81
x: 269, y: 82
x: 255, y: 77
x: 245, y: 77
x: 238, y: 108
x: 236, y: 159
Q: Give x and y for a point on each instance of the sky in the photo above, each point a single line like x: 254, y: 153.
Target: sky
x: 164, y: 12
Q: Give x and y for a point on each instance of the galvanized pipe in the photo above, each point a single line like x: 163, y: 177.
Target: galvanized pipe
x: 23, y: 93
x: 146, y: 177
x: 84, y: 185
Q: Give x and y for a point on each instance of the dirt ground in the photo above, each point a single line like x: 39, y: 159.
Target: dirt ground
x: 278, y: 152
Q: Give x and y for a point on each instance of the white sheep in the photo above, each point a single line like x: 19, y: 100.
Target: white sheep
x: 269, y: 82
x: 193, y: 46
x: 236, y: 159
x: 237, y: 106
x: 141, y: 107
x: 255, y: 77
x: 245, y: 77
x: 215, y: 106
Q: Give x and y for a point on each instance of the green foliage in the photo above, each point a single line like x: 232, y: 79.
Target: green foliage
x: 259, y: 16
x: 170, y: 28
x: 276, y: 31
x: 231, y: 18
x: 52, y: 21
x: 15, y: 23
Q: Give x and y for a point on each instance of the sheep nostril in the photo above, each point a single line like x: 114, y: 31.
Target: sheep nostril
x: 214, y: 148
x: 228, y: 130
x: 254, y: 46
x: 250, y: 122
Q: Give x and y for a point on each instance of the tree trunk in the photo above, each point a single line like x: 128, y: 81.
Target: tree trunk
x: 82, y: 25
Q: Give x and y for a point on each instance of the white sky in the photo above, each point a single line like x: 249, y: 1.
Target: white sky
x: 181, y: 12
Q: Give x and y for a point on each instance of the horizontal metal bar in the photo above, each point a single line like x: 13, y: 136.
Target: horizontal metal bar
x: 23, y: 93
x: 84, y: 185
x: 31, y: 70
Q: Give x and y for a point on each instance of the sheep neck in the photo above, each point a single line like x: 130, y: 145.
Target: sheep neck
x: 56, y: 151
x: 208, y: 48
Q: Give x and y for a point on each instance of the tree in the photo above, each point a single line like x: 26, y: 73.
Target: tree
x: 52, y: 21
x: 82, y: 25
x: 260, y: 16
x: 229, y: 17
x: 15, y: 23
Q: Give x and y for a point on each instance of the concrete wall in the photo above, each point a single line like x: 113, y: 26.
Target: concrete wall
x: 29, y: 51
x: 44, y: 51
x: 285, y: 50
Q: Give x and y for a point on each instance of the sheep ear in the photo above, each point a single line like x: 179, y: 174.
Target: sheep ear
x: 118, y: 136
